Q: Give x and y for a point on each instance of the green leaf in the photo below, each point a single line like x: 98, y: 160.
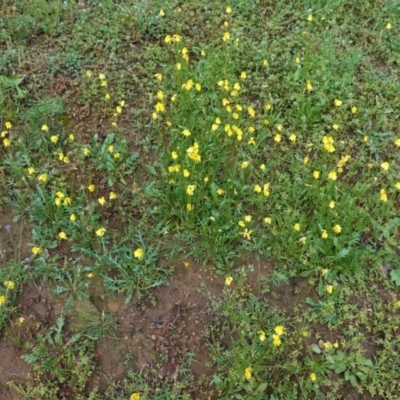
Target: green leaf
x: 315, y: 348
x: 261, y: 388
x: 395, y: 276
x: 218, y: 381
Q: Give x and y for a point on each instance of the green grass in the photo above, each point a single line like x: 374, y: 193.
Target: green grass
x: 134, y: 137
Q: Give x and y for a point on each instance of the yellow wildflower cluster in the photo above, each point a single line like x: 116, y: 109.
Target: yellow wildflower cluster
x: 172, y: 38
x: 193, y: 152
x: 327, y: 141
x: 61, y: 199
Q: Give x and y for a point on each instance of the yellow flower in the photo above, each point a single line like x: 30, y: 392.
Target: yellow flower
x: 117, y: 155
x: 100, y: 232
x: 228, y: 280
x: 104, y: 83
x: 244, y: 164
x: 332, y: 204
x: 316, y: 174
x: 186, y: 132
x: 309, y: 85
x: 335, y: 126
x: 62, y: 235
x: 292, y: 137
x: 42, y: 178
x: 135, y: 396
x: 102, y: 76
x: 190, y: 189
x: 45, y: 128
x: 309, y: 18
x: 102, y: 201
x: 397, y: 185
x: 337, y: 229
x: 324, y: 234
x: 265, y: 63
x: 67, y: 201
x: 251, y: 141
x: 329, y: 289
x: 328, y: 344
x: 332, y: 175
x: 71, y: 137
x: 354, y: 110
x: 397, y: 142
x: 266, y: 189
x: 54, y: 139
x: 388, y: 26
x: 220, y: 192
x: 174, y: 155
x: 306, y: 160
x: 313, y: 377
x: 247, y: 373
x: 110, y: 148
x: 243, y: 75
x: 324, y: 271
x: 161, y: 13
x: 226, y: 36
x: 3, y: 299
x: 91, y: 188
x: 189, y: 207
x: 276, y: 340
x: 6, y: 142
x: 9, y: 285
x: 385, y: 166
x: 86, y: 151
x: 186, y: 173
x: 8, y: 125
x: 90, y: 275
x: 337, y: 102
x: 139, y: 253
x: 262, y: 167
x: 198, y: 87
x: 267, y: 220
x: 261, y: 335
x: 158, y: 77
x: 247, y: 234
x: 108, y: 97
x: 174, y: 168
x: 228, y: 10
x: 297, y: 60
x: 36, y: 250
x: 241, y: 223
x: 278, y: 138
x: 257, y: 189
x: 303, y: 239
x: 72, y: 217
x: 251, y: 112
x: 383, y: 195
x: 159, y: 107
x: 296, y: 227
x: 279, y: 330
x: 89, y: 73
x: 328, y: 143
x: 112, y: 196
x: 248, y: 218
